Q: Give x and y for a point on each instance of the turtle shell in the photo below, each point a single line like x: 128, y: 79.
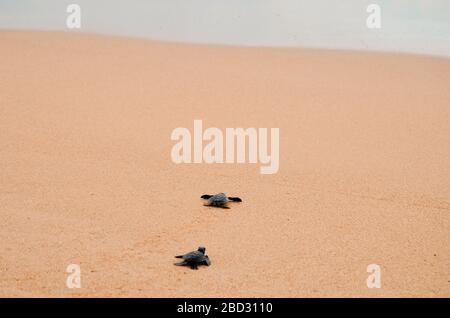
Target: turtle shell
x: 195, y: 256
x: 219, y: 198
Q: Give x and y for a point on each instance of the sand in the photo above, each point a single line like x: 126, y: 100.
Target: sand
x: 86, y: 175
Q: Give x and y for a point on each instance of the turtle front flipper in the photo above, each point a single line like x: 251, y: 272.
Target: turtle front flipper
x: 206, y: 196
x: 183, y: 263
x: 235, y: 199
x: 207, y: 262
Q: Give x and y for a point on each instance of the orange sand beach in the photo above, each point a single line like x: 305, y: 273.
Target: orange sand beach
x: 87, y: 178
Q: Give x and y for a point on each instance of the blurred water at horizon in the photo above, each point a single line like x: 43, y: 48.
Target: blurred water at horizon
x: 412, y: 26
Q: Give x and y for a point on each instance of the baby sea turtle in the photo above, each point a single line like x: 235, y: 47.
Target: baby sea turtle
x: 219, y: 200
x: 195, y: 258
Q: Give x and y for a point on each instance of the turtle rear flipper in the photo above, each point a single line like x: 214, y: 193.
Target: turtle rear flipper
x: 193, y: 265
x: 222, y: 206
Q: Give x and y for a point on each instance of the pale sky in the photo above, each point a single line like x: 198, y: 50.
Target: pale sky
x: 414, y: 26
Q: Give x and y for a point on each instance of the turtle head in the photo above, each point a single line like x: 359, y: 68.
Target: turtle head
x: 201, y: 249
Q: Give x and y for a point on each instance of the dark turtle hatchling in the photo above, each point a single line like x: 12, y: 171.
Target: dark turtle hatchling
x: 195, y: 258
x: 219, y: 200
